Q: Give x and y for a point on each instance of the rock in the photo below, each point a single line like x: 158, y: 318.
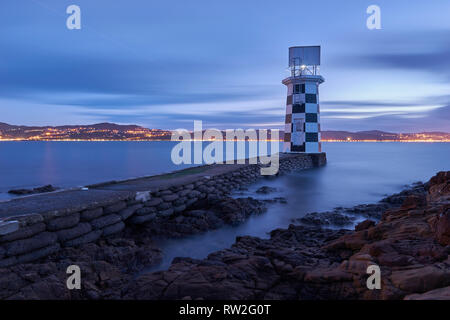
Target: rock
x: 366, y: 224
x: 437, y: 294
x: 145, y: 211
x: 63, y: 222
x: 326, y: 219
x: 179, y: 202
x: 296, y: 263
x: 153, y: 202
x: 439, y: 187
x: 170, y: 197
x: 139, y: 219
x: 40, y: 253
x: 116, y: 207
x: 166, y: 212
x: 266, y: 190
x: 26, y: 245
x: 24, y: 232
x: 112, y: 229
x: 89, y: 237
x: 7, y: 227
x: 191, y: 201
x: 128, y: 212
x: 104, y: 221
x: 68, y: 234
x: 184, y: 193
x: 143, y: 196
x: 179, y: 208
x: 7, y: 262
x: 194, y: 194
x: 164, y: 206
x: 413, y: 201
x: 443, y: 229
x: 47, y: 188
x: 245, y: 271
x: 89, y: 215
x: 420, y: 279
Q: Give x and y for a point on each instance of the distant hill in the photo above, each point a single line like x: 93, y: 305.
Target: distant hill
x: 360, y: 135
x: 376, y: 135
x: 98, y: 131
x: 112, y: 131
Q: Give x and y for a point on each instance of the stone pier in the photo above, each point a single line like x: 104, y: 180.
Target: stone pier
x: 36, y: 226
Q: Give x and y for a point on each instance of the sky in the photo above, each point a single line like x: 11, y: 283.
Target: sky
x: 164, y: 64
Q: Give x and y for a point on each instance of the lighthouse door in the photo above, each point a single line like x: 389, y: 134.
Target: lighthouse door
x: 298, y: 134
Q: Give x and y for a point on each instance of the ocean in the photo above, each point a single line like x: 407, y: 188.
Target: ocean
x: 356, y: 173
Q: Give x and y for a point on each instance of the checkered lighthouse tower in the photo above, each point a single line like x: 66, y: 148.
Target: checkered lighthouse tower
x: 302, y: 125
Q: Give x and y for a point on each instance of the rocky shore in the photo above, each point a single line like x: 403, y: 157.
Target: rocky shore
x: 111, y: 263
x: 410, y: 244
x: 407, y: 235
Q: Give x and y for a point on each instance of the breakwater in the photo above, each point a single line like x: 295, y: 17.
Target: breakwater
x: 36, y: 226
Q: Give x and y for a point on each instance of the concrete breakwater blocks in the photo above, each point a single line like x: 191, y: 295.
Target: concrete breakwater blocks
x: 36, y: 226
x: 8, y: 227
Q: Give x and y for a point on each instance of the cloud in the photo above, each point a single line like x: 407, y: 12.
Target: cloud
x: 430, y: 113
x: 442, y: 114
x: 222, y: 117
x: 113, y: 82
x: 436, y: 62
x: 426, y: 51
x: 367, y: 103
x: 437, y: 119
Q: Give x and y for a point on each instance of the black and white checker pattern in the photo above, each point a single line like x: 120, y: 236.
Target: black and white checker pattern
x: 302, y: 125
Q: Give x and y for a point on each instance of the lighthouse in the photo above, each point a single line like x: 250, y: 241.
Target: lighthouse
x: 302, y: 125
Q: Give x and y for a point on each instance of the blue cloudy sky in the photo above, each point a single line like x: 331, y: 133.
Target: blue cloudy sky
x: 163, y: 64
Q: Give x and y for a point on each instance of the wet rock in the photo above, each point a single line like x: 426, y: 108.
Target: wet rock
x: 420, y: 279
x: 363, y: 225
x: 266, y: 190
x: 437, y: 294
x: 210, y: 213
x: 43, y: 189
x: 413, y: 201
x: 107, y: 265
x: 327, y: 219
x: 443, y: 228
x: 299, y: 262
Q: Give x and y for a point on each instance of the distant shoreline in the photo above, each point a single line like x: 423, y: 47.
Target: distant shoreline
x: 166, y: 140
x: 116, y: 132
